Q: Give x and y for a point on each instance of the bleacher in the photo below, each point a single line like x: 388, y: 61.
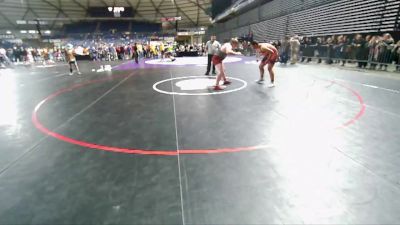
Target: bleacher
x: 314, y: 18
x: 278, y: 8
x: 346, y: 17
x: 115, y: 26
x: 106, y: 26
x: 81, y: 28
x: 141, y: 27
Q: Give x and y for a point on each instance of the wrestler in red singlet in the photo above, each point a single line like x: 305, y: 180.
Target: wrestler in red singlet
x: 219, y: 56
x: 270, y: 55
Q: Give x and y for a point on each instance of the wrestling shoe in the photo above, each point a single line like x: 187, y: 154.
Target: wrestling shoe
x: 218, y: 88
x: 227, y: 82
x: 260, y: 81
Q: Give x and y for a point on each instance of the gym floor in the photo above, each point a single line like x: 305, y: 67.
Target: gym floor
x: 154, y: 144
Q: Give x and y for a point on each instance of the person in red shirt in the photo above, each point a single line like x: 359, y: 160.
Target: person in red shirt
x: 270, y: 56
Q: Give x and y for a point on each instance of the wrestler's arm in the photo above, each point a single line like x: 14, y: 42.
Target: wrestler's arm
x: 231, y: 52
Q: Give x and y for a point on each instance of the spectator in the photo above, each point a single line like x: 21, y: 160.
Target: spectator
x: 308, y: 50
x: 360, y: 47
x: 373, y: 51
x: 396, y: 55
x: 136, y: 53
x: 320, y: 49
x: 329, y: 51
x: 294, y: 49
x: 347, y: 50
x: 385, y: 47
x: 3, y: 58
x: 10, y: 54
x: 251, y: 37
x: 340, y: 49
x: 284, y: 50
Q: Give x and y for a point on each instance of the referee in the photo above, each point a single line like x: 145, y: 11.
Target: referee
x: 211, y: 47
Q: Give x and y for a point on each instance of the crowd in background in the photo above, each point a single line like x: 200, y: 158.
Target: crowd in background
x: 98, y: 51
x: 25, y: 55
x: 200, y: 48
x: 370, y: 51
x: 111, y: 52
x: 102, y: 51
x: 374, y: 52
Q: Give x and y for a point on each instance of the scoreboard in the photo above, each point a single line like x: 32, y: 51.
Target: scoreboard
x: 111, y: 11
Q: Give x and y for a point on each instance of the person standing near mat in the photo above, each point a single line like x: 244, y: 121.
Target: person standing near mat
x: 294, y: 49
x: 270, y: 55
x: 211, y: 48
x: 169, y: 53
x: 135, y: 53
x: 162, y: 51
x: 221, y: 53
x: 70, y: 57
x: 4, y: 60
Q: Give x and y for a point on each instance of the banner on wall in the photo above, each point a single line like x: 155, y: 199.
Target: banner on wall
x: 188, y: 33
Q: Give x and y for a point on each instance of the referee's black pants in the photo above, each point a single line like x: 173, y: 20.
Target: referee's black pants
x: 209, y: 64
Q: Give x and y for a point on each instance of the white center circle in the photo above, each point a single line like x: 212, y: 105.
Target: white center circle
x: 45, y: 66
x: 182, y: 61
x: 196, y: 83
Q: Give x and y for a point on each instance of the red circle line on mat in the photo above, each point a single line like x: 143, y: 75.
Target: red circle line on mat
x: 70, y: 140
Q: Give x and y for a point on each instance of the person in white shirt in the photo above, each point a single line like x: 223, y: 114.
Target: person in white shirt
x: 3, y: 58
x: 211, y: 48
